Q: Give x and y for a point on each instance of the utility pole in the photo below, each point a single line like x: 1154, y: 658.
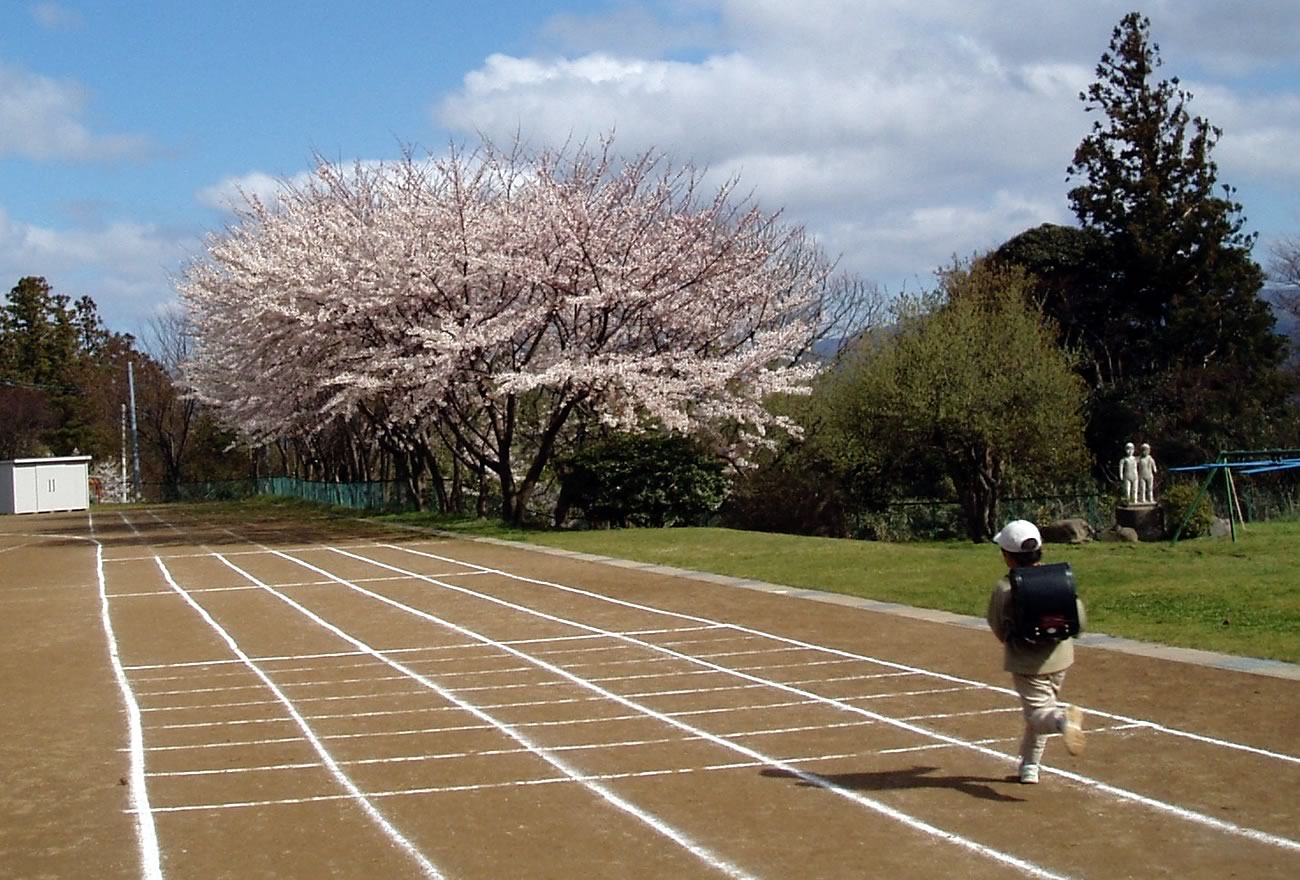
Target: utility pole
x: 135, y: 431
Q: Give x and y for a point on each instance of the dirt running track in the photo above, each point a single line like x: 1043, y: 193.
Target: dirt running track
x: 184, y: 701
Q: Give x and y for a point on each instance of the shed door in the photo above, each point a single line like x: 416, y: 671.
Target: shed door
x: 24, y: 489
x: 60, y: 487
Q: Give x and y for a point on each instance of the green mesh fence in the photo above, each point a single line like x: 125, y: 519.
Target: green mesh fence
x: 934, y: 519
x: 1095, y: 509
x: 387, y: 496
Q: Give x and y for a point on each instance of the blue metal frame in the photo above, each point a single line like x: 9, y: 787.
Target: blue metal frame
x: 1264, y: 461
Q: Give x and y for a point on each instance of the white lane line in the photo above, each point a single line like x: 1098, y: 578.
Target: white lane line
x: 487, y: 753
x: 331, y: 682
x: 243, y: 588
x: 16, y: 547
x: 514, y: 670
x: 283, y: 658
x: 375, y: 695
x: 208, y: 553
x: 1150, y: 725
x: 1096, y: 784
x: 514, y: 783
x: 718, y: 710
x: 701, y: 852
x: 225, y: 689
x: 145, y: 831
x: 997, y: 739
x: 872, y: 804
x: 751, y: 707
x: 462, y: 728
x: 427, y: 868
x: 153, y: 594
x: 335, y: 654
x: 283, y: 670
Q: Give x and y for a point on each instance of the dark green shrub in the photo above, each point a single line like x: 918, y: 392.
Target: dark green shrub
x: 643, y: 480
x: 1176, y: 499
x: 798, y: 496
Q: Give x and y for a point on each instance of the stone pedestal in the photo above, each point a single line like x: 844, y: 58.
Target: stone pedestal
x: 1148, y: 520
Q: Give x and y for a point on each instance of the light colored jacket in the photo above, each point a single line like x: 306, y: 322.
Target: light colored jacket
x: 1027, y: 658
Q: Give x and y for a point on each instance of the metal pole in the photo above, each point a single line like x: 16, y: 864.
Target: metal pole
x: 135, y: 431
x: 1227, y: 485
x: 122, y: 488
x: 1205, y: 487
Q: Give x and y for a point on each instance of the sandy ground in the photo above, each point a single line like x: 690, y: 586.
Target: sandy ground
x: 186, y: 701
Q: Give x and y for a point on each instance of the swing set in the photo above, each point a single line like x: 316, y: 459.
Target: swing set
x: 1244, y: 462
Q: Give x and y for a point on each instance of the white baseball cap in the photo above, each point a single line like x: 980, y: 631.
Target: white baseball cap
x: 1019, y: 536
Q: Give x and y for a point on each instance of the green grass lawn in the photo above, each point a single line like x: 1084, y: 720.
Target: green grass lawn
x: 1238, y: 598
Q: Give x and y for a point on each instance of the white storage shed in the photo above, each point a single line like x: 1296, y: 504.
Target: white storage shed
x: 44, y: 485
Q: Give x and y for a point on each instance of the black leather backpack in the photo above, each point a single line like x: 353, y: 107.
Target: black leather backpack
x: 1043, y: 603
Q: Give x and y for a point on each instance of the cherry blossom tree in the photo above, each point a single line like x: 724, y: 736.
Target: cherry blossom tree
x: 491, y: 299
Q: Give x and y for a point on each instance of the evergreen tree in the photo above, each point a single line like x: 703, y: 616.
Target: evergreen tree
x: 1068, y: 265
x: 50, y: 356
x: 1183, y: 289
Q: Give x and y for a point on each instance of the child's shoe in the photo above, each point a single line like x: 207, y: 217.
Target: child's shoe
x: 1072, y: 730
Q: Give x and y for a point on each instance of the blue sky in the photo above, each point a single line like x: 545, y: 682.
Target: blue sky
x: 899, y: 133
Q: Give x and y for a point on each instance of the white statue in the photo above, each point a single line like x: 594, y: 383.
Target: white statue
x: 1146, y: 475
x: 1128, y: 474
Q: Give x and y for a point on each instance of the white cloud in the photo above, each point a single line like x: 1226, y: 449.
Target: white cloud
x: 40, y: 119
x: 231, y: 193
x: 907, y: 243
x: 1261, y: 133
x: 54, y: 17
x: 124, y: 266
x: 899, y: 132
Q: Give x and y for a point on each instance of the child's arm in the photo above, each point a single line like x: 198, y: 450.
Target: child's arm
x: 996, y: 615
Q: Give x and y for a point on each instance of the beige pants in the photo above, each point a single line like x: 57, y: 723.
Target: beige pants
x: 1043, y: 716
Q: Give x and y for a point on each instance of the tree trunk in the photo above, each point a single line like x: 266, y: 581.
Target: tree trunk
x: 545, y: 449
x: 977, y: 493
x: 430, y: 462
x: 457, y: 486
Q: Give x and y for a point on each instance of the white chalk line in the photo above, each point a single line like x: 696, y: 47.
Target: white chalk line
x: 415, y: 650
x: 418, y: 710
x: 153, y: 679
x: 514, y: 670
x: 17, y: 546
x: 458, y: 728
x: 486, y: 786
x: 653, y: 822
x: 208, y: 552
x: 419, y: 731
x: 426, y: 710
x: 146, y: 832
x: 427, y: 868
x: 586, y: 746
x: 377, y: 695
x: 602, y: 664
x: 518, y: 750
x: 244, y: 588
x: 933, y: 747
x: 1111, y: 790
x: 1093, y: 712
x: 869, y: 803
